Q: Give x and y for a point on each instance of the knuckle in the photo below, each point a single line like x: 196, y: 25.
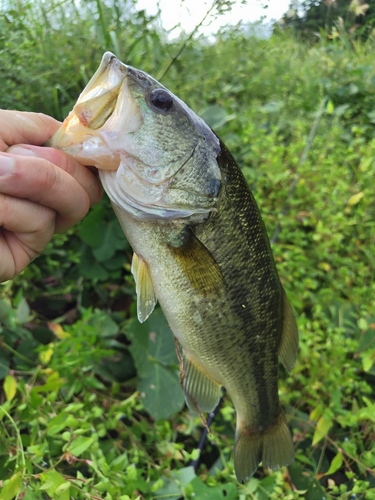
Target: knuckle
x: 61, y: 160
x: 47, y: 177
x: 4, y: 213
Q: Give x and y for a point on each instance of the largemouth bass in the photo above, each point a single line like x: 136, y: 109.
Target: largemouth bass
x: 200, y: 249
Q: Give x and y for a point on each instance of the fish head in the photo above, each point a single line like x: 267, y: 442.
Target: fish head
x: 156, y: 157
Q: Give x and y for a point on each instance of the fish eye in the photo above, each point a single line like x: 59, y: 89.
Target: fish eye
x: 161, y: 99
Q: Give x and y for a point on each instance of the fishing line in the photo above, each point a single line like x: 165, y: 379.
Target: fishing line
x: 310, y: 139
x: 202, y: 441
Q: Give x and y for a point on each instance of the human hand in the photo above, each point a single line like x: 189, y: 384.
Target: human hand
x: 42, y: 190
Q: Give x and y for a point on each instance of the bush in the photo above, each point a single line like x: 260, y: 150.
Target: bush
x: 79, y: 415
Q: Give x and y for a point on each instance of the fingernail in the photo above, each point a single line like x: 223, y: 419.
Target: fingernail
x: 6, y: 164
x: 18, y: 150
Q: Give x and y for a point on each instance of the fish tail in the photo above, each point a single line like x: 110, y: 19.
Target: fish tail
x: 272, y: 446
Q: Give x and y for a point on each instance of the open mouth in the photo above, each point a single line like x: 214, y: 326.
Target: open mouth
x: 105, y: 112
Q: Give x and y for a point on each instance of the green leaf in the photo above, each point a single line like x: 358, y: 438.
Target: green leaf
x: 23, y: 311
x: 222, y: 492
x: 160, y: 391
x: 56, y: 424
x: 10, y: 387
x: 154, y: 336
x: 106, y: 249
x: 330, y: 107
x: 138, y: 334
x: 104, y: 324
x: 53, y: 383
x: 322, y: 427
x: 304, y: 480
x: 92, y: 226
x: 119, y: 463
x: 62, y: 488
x: 253, y: 484
x: 79, y: 445
x: 215, y: 116
x: 154, y: 355
x: 51, y: 482
x: 117, y: 368
x: 272, y: 107
x: 37, y: 449
x: 367, y: 338
x: 112, y: 240
x: 356, y: 198
x: 117, y: 262
x: 29, y: 495
x: 4, y: 310
x: 174, y: 483
x: 12, y: 487
x: 89, y: 267
x: 316, y: 412
x: 4, y: 364
x: 335, y: 464
x: 368, y: 359
x: 27, y: 349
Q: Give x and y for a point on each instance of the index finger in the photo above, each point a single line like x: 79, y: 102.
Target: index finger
x: 17, y: 127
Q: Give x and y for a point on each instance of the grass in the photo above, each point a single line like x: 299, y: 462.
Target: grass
x: 76, y: 419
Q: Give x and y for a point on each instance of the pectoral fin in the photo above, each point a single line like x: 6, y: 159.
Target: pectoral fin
x: 288, y: 347
x: 202, y: 394
x: 146, y: 299
x: 197, y: 263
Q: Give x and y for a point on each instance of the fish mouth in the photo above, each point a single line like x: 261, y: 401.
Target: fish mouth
x: 105, y: 130
x: 82, y: 134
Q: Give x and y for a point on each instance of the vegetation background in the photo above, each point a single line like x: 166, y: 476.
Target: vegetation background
x: 91, y: 406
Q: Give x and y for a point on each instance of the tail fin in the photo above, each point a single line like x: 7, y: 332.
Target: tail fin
x: 273, y: 447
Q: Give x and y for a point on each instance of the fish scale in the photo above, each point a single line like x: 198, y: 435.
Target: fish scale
x: 252, y: 321
x: 200, y: 249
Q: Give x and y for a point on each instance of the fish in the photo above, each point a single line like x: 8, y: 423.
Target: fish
x: 200, y: 249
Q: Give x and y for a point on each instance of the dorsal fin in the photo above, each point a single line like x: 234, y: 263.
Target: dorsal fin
x: 146, y: 299
x: 288, y: 346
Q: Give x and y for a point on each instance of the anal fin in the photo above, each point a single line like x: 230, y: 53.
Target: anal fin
x: 202, y: 394
x: 146, y: 299
x: 288, y: 347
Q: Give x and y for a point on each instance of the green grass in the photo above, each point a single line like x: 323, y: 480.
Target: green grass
x: 77, y: 419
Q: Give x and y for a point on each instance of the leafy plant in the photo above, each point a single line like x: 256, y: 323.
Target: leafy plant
x: 90, y: 405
